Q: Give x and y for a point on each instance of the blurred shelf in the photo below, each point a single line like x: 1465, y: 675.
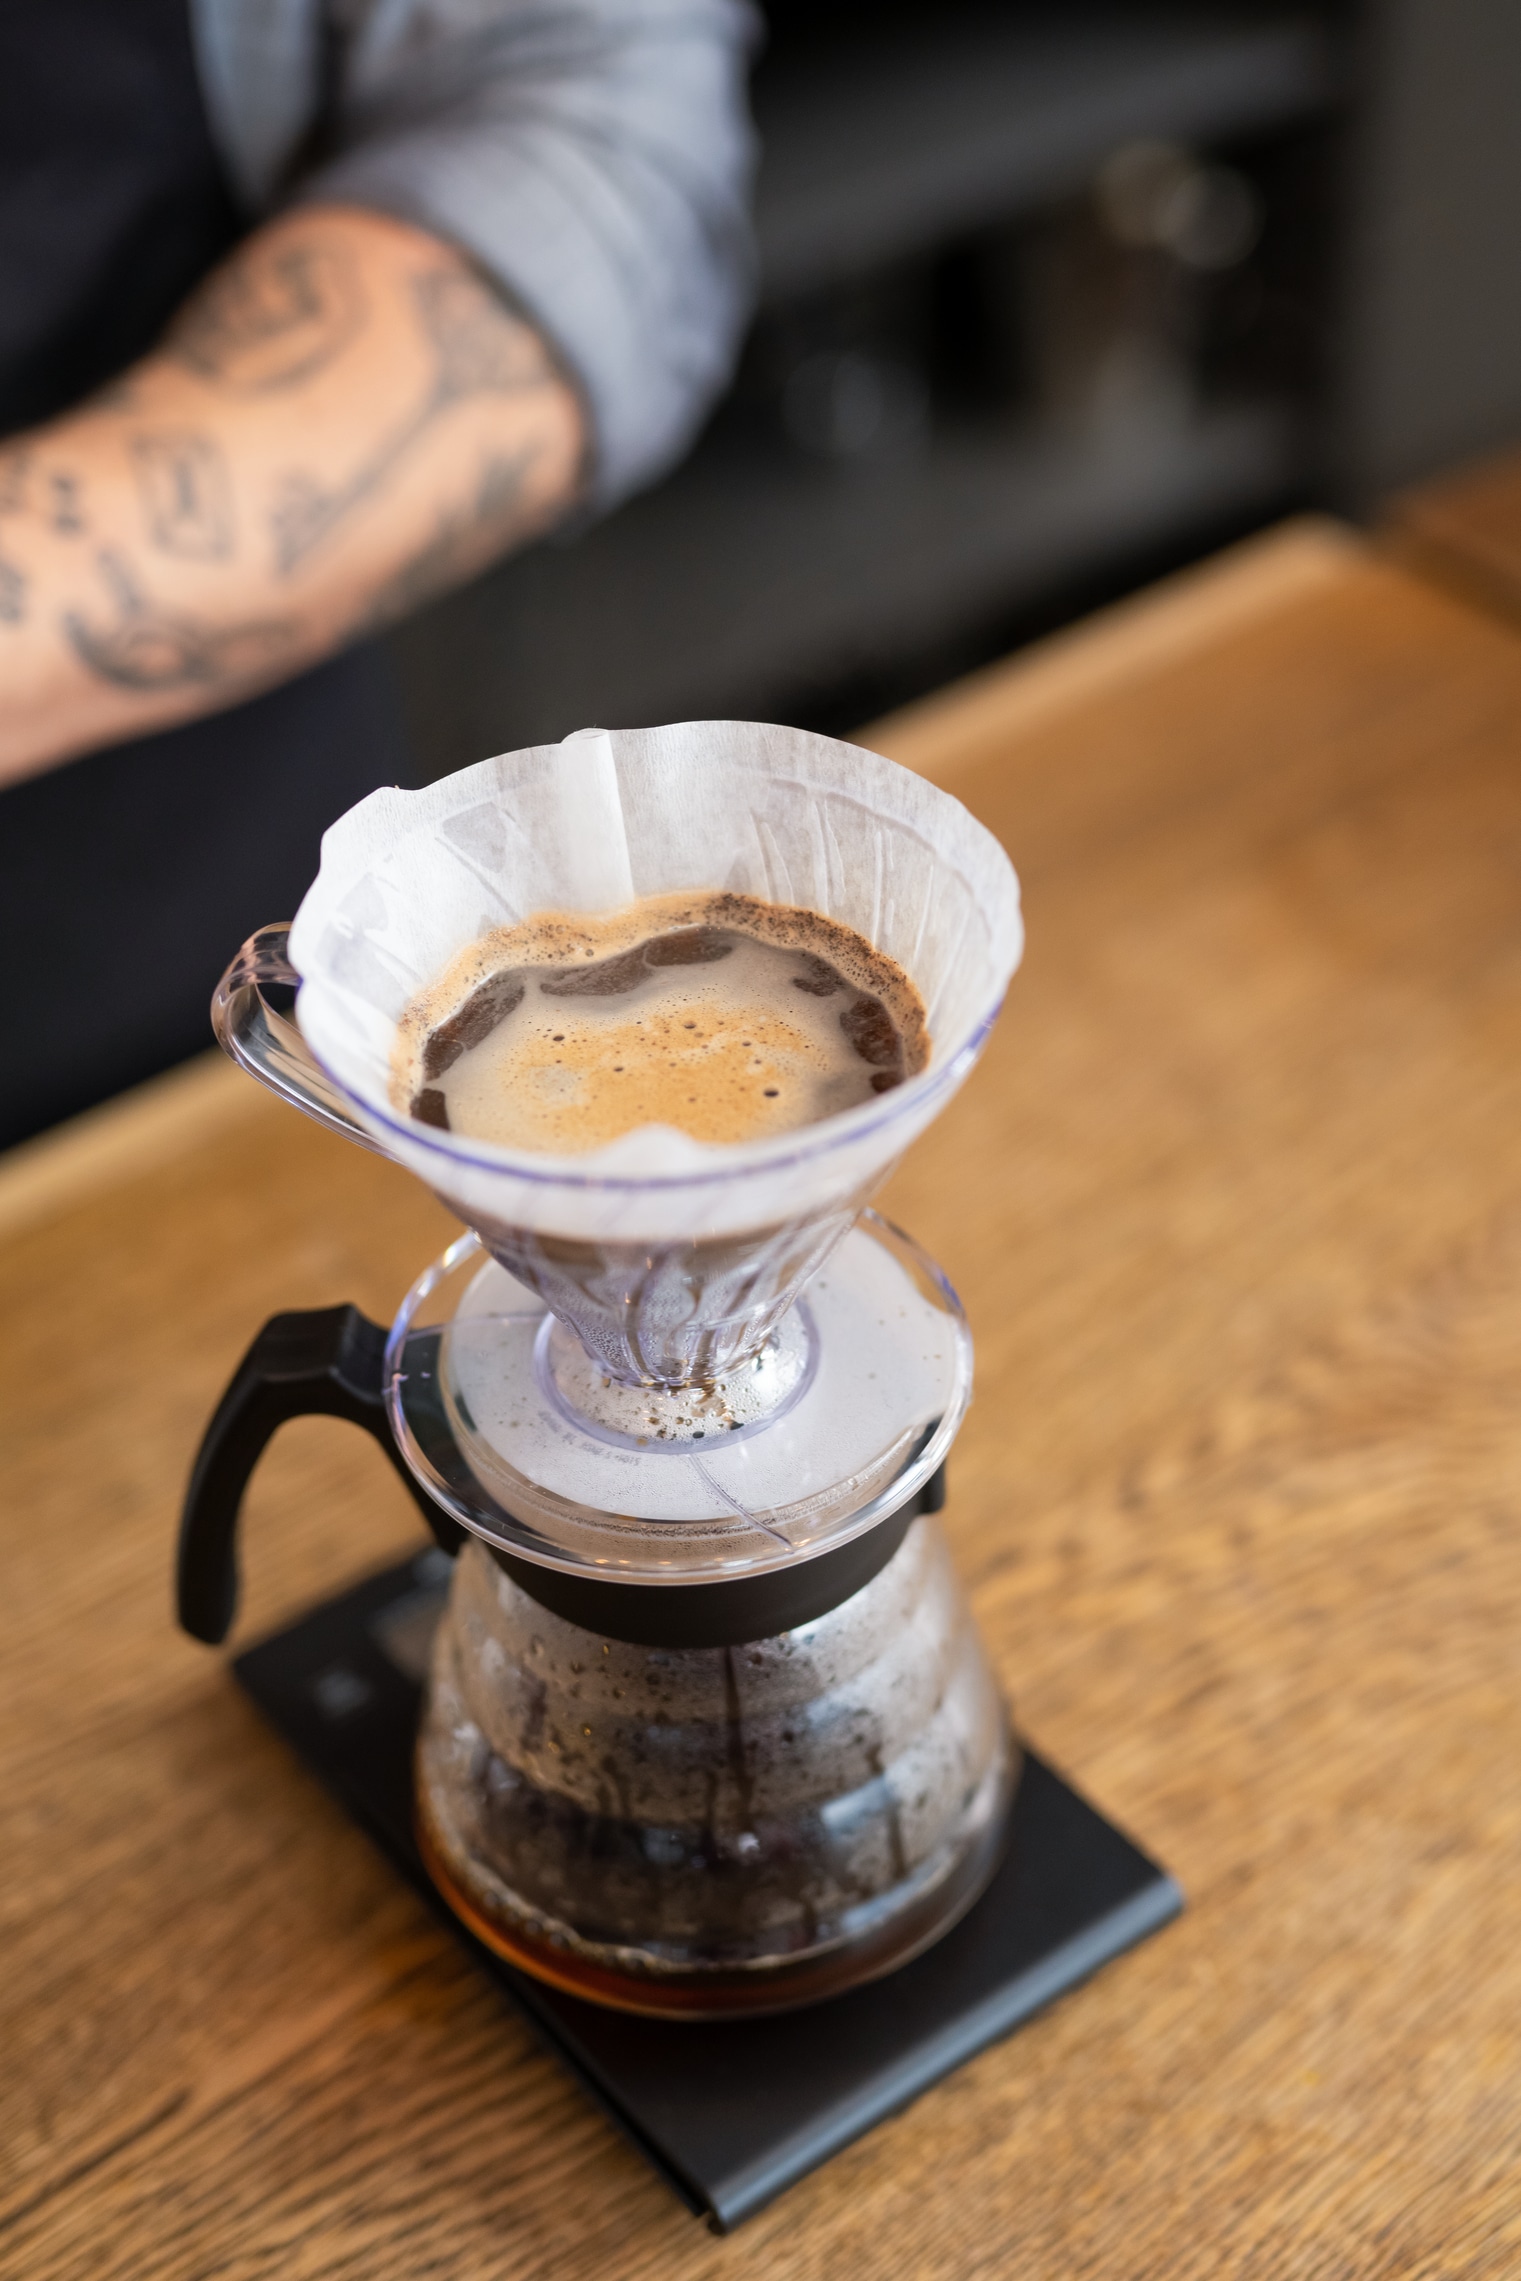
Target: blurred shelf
x: 757, y: 580
x: 754, y: 576
x: 890, y: 140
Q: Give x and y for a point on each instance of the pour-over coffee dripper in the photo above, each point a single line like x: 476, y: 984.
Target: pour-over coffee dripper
x: 710, y: 1729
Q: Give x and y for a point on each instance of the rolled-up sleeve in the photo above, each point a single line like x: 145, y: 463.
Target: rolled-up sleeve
x: 594, y: 156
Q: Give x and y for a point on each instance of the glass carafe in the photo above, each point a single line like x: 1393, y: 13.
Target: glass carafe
x: 714, y: 1829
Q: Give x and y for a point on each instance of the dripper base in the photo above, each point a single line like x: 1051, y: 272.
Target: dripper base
x: 756, y: 1394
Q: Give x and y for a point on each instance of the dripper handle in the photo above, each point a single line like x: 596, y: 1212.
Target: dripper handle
x: 267, y: 1045
x: 329, y: 1362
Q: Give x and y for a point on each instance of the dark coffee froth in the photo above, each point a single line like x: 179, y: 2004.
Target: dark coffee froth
x: 730, y: 1018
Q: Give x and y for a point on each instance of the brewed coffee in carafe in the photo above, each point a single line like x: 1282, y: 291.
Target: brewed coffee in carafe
x: 674, y: 1828
x: 710, y: 1728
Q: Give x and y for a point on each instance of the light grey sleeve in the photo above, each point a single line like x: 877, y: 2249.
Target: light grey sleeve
x: 593, y: 155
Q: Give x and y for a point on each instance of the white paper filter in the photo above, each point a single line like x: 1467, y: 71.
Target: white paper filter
x: 408, y: 879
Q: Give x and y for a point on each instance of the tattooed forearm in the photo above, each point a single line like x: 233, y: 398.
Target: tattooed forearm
x: 186, y: 496
x: 479, y: 348
x: 272, y: 318
x: 462, y: 543
x: 145, y: 646
x: 346, y: 419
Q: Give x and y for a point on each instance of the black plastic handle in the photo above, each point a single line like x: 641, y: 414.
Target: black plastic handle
x: 329, y: 1361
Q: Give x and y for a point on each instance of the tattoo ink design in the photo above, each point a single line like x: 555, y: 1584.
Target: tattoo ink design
x: 479, y: 349
x: 12, y: 593
x: 462, y: 542
x: 272, y: 318
x: 54, y: 496
x: 187, y: 499
x: 64, y: 510
x: 149, y: 647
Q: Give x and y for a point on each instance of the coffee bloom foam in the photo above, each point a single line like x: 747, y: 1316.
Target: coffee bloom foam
x: 728, y: 1018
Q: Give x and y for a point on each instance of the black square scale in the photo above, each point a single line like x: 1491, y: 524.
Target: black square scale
x: 729, y: 2112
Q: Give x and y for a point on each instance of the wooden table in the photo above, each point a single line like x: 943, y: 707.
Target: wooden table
x: 1235, y: 1204
x: 1463, y: 528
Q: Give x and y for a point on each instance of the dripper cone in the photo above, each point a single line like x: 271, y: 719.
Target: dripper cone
x: 672, y: 1260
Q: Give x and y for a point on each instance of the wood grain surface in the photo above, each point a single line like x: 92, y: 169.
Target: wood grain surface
x: 1235, y: 1204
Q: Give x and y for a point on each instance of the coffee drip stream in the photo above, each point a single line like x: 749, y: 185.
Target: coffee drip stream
x: 709, y: 1728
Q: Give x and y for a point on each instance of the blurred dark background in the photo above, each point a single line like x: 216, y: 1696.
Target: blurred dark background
x: 1053, y: 299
